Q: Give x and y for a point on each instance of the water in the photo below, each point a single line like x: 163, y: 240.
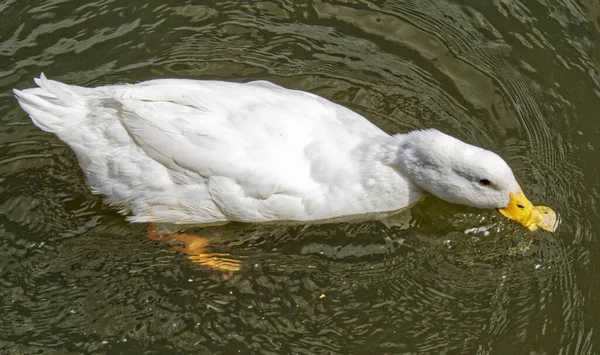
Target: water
x: 520, y: 78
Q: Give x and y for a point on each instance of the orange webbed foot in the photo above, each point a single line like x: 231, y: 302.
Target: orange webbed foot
x: 194, y: 247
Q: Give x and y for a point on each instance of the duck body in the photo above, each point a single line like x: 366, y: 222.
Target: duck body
x: 205, y: 152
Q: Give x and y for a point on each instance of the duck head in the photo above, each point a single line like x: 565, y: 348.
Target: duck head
x: 461, y: 173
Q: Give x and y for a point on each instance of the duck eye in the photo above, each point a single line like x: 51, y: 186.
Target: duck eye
x: 484, y: 182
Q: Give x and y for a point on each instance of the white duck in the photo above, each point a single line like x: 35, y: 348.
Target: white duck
x: 209, y: 152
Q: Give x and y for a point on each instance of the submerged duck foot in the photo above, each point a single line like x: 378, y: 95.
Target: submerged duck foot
x: 194, y: 247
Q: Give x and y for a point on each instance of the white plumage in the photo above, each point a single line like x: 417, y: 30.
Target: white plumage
x: 204, y: 152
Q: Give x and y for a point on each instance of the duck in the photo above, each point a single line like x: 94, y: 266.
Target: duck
x: 203, y: 152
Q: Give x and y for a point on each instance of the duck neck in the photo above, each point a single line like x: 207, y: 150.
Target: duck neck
x: 386, y: 179
x: 406, y: 157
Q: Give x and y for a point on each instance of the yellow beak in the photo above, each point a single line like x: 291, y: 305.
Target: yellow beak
x: 533, y: 217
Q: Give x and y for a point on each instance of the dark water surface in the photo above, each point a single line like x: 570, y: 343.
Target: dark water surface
x: 517, y: 77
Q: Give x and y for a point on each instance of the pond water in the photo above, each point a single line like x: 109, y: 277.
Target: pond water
x: 516, y: 77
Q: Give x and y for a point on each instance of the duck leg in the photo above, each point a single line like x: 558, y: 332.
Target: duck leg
x: 194, y: 247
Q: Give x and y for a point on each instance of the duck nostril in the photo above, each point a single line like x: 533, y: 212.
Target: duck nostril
x: 521, y: 207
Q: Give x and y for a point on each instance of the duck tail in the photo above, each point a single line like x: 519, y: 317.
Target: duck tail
x: 52, y: 105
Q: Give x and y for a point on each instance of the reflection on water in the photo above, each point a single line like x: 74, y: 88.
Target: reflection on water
x: 520, y: 79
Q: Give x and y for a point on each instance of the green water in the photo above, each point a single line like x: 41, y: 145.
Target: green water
x: 519, y: 78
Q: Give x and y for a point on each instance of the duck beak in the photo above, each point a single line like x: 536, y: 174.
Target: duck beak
x: 533, y: 217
